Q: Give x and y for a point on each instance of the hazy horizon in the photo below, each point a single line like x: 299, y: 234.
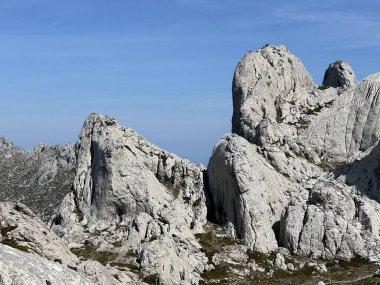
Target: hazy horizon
x: 163, y: 68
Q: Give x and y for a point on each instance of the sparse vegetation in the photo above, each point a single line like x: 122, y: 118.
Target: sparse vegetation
x: 212, y: 242
x: 89, y: 251
x: 117, y: 243
x: 323, y: 87
x: 326, y: 165
x: 5, y: 230
x: 133, y: 267
x: 12, y: 243
x: 151, y: 279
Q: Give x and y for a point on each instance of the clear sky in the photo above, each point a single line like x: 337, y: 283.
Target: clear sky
x: 161, y: 67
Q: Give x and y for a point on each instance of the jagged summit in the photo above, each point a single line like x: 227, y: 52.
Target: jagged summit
x: 331, y: 124
x: 145, y: 199
x: 339, y: 74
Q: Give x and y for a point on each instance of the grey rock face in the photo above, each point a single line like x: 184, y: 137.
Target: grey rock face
x: 339, y: 74
x: 48, y: 258
x: 247, y: 192
x: 262, y: 80
x: 22, y: 229
x: 273, y: 179
x: 99, y: 274
x: 39, y: 179
x: 340, y: 218
x: 349, y: 127
x: 17, y: 267
x: 131, y: 191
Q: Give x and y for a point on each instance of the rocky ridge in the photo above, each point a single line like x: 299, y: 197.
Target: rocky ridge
x: 39, y: 178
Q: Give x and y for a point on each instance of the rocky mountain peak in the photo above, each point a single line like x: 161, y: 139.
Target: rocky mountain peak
x: 262, y: 81
x: 339, y: 74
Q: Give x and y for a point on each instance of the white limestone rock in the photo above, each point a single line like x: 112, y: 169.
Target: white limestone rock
x: 340, y: 217
x: 279, y: 262
x: 296, y: 133
x: 248, y: 192
x: 17, y: 267
x: 21, y: 228
x: 350, y: 126
x: 273, y: 84
x: 131, y: 191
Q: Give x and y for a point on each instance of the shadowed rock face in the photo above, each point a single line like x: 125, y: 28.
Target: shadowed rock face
x: 39, y: 179
x: 339, y: 74
x: 291, y: 134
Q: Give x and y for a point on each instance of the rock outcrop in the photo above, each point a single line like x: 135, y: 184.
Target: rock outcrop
x: 39, y: 178
x: 339, y: 74
x: 128, y: 191
x: 32, y: 254
x: 17, y: 267
x: 247, y: 191
x: 21, y: 228
x: 301, y: 170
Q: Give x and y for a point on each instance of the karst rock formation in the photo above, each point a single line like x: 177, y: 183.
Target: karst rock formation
x: 300, y: 169
x: 299, y: 175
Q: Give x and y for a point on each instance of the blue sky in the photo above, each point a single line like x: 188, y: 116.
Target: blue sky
x: 161, y: 67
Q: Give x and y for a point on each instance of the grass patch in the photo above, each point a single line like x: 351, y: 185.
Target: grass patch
x: 326, y: 165
x: 132, y: 267
x: 5, y: 230
x: 131, y: 253
x: 323, y: 87
x: 89, y: 252
x: 15, y: 245
x: 151, y: 279
x: 117, y: 243
x: 219, y: 275
x: 260, y: 258
x: 212, y: 244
